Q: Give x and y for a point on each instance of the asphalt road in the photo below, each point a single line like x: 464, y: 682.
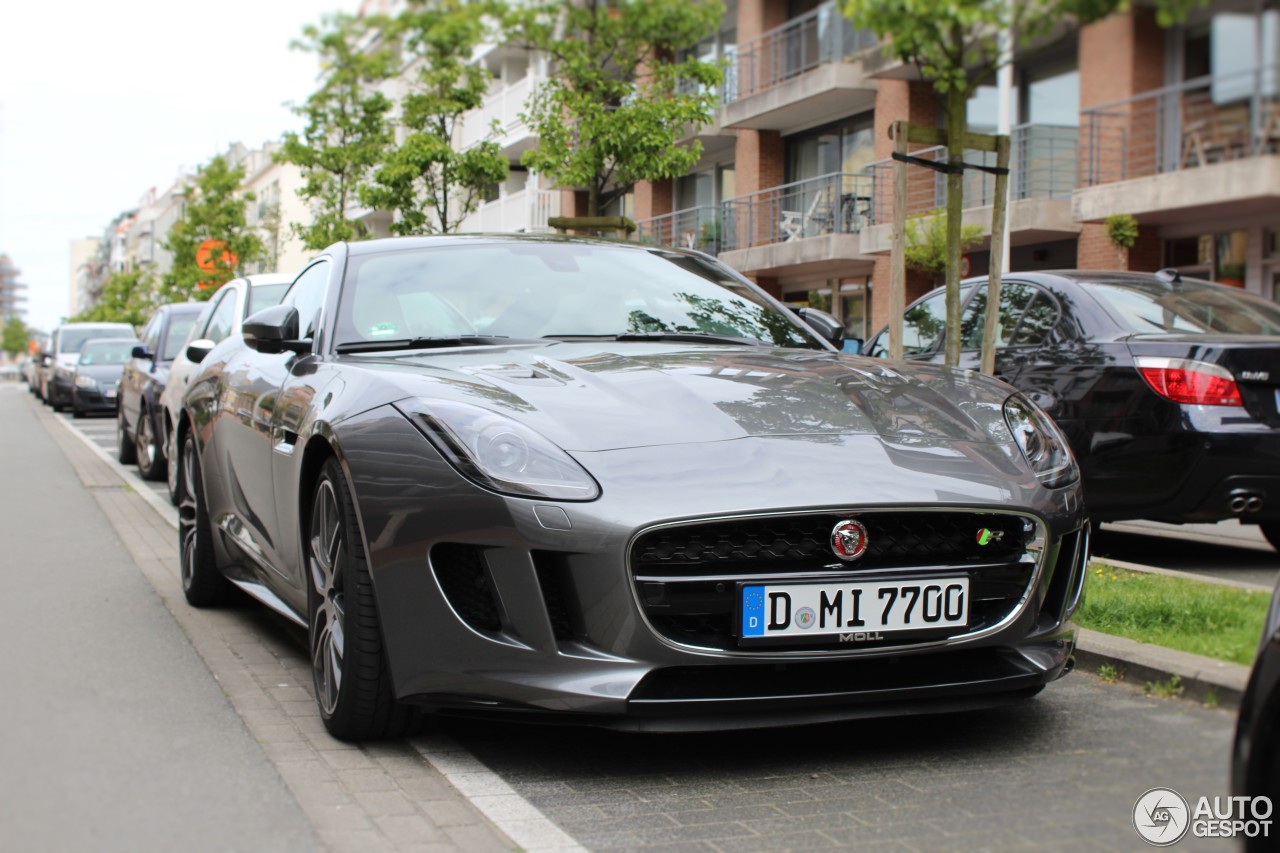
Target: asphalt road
x: 1059, y: 772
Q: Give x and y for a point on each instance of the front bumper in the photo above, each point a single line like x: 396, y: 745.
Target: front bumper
x: 532, y: 608
x: 93, y: 400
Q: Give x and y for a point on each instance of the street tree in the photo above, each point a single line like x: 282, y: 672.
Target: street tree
x: 15, y: 336
x: 622, y: 94
x: 347, y: 131
x: 956, y: 45
x: 128, y: 296
x: 212, y: 242
x: 430, y: 185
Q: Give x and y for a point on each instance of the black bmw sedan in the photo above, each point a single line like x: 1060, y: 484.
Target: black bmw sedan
x: 542, y: 477
x: 1167, y: 388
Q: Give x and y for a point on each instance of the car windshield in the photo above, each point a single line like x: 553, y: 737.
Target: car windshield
x: 71, y: 339
x: 1187, y: 307
x: 264, y: 296
x: 552, y: 290
x: 106, y: 352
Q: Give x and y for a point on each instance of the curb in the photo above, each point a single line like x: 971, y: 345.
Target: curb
x: 1203, y: 679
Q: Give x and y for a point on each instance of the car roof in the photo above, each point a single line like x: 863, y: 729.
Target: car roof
x: 397, y: 244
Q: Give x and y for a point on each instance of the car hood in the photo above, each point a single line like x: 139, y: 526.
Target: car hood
x: 589, y: 397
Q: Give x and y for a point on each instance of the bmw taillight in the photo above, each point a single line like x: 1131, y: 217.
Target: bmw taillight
x: 1184, y: 380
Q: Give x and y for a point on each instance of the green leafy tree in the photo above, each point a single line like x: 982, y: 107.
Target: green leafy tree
x: 619, y: 99
x: 425, y: 174
x: 215, y: 215
x: 127, y: 297
x: 955, y: 44
x: 926, y: 248
x: 15, y: 336
x: 347, y: 130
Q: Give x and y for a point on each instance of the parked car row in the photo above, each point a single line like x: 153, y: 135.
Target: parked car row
x: 541, y: 478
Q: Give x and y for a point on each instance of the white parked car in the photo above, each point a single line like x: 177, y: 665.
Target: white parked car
x: 220, y: 319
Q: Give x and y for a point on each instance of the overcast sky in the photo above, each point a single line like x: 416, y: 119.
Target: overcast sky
x: 101, y: 101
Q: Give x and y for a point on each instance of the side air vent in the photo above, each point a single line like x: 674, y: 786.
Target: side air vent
x: 557, y: 592
x: 464, y: 576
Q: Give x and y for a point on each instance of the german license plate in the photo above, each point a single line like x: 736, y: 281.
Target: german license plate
x: 839, y: 611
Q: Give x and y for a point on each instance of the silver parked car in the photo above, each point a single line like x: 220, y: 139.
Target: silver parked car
x: 541, y: 477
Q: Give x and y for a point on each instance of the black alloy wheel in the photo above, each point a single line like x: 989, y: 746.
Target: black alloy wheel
x: 202, y: 583
x: 126, y: 454
x: 352, y: 679
x: 147, y: 447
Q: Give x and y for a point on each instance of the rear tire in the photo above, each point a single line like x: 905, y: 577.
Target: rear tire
x: 125, y: 452
x: 202, y: 583
x: 147, y: 448
x: 348, y: 661
x: 1271, y: 530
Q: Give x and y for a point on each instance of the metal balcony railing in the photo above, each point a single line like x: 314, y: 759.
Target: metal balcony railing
x: 800, y: 45
x: 839, y: 203
x: 1042, y: 164
x: 691, y: 228
x: 1203, y: 121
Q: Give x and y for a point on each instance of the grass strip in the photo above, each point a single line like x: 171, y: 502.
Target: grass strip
x: 1192, y: 616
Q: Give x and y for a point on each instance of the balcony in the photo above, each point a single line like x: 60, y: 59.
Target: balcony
x: 526, y: 211
x: 1042, y: 175
x: 1185, y: 151
x: 806, y: 226
x: 691, y: 228
x: 770, y: 81
x: 504, y: 108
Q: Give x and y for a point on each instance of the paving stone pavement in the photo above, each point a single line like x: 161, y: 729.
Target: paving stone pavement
x: 1060, y: 772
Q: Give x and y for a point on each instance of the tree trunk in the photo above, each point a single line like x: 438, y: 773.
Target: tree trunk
x: 956, y: 103
x: 593, y: 199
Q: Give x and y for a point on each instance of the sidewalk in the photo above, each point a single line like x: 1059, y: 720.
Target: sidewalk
x: 115, y: 736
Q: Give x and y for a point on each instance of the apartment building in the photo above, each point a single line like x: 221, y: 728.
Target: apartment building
x: 1179, y: 128
x: 12, y: 297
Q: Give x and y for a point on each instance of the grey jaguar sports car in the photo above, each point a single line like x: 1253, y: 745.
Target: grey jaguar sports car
x: 552, y: 478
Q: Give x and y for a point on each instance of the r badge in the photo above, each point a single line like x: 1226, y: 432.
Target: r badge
x: 849, y: 540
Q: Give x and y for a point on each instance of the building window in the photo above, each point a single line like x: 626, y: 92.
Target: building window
x: 1221, y: 257
x: 846, y: 146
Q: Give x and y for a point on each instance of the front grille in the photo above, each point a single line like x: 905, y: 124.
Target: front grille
x: 687, y: 575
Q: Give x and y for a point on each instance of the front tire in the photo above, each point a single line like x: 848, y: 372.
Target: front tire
x: 202, y: 583
x: 348, y: 663
x: 147, y: 448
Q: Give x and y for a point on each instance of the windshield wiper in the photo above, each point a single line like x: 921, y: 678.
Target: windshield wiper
x: 683, y: 337
x: 425, y: 343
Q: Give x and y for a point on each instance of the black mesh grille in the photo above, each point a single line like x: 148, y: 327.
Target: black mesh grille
x: 464, y: 577
x: 557, y: 592
x: 791, y: 542
x: 687, y: 576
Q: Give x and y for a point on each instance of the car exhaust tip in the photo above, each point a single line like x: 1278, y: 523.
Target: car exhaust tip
x: 1237, y: 504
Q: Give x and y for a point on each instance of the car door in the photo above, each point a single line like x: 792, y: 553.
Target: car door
x: 248, y: 431
x: 136, y: 374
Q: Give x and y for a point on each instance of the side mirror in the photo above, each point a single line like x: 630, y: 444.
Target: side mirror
x: 198, y: 349
x: 274, y: 330
x: 828, y: 328
x: 140, y: 351
x: 46, y: 360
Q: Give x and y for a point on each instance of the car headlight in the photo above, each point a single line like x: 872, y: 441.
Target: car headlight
x: 499, y: 453
x: 86, y: 382
x: 1042, y: 444
x: 63, y: 373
